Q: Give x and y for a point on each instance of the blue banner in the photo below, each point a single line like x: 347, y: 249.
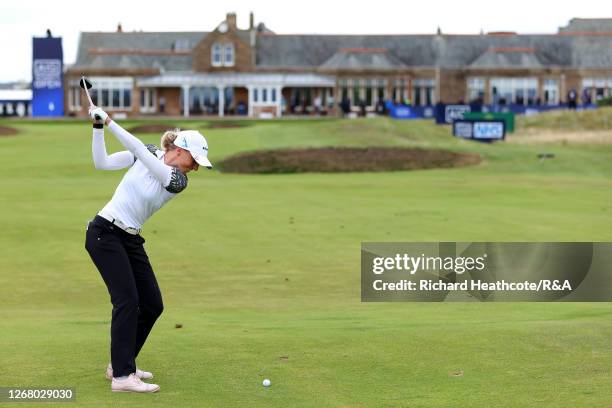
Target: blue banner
x: 47, y: 77
x: 482, y: 130
x: 409, y: 111
x: 447, y: 114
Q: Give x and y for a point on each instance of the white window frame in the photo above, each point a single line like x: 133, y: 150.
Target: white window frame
x: 150, y: 98
x: 550, y: 85
x: 229, y: 55
x: 111, y: 84
x: 74, y: 98
x: 426, y: 88
x: 262, y: 95
x: 598, y: 83
x: 216, y: 50
x: 223, y: 55
x: 475, y: 87
x: 510, y: 86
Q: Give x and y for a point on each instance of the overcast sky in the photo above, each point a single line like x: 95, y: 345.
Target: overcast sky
x: 21, y: 20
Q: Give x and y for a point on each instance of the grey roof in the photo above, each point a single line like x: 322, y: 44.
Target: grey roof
x: 309, y: 51
x: 592, y: 52
x: 160, y: 41
x: 509, y: 58
x: 363, y: 59
x: 447, y: 51
x: 333, y: 52
x: 588, y: 25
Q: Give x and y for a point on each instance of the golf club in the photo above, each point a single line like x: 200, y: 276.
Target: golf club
x: 86, y: 85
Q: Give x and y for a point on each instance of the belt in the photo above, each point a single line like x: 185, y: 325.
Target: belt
x: 118, y: 223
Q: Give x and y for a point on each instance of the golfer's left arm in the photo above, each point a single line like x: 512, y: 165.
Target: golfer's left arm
x: 160, y: 170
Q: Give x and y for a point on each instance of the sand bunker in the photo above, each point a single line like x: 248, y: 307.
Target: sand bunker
x: 331, y: 160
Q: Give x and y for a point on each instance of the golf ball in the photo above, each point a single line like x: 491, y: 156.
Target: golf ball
x: 266, y: 383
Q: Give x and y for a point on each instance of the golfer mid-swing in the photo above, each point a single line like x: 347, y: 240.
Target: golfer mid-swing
x: 113, y: 237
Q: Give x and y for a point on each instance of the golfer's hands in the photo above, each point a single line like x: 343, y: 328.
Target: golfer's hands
x: 98, y: 115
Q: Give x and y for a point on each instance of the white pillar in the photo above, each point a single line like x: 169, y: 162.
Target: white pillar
x: 279, y: 101
x: 186, y: 101
x: 250, y: 90
x: 221, y: 91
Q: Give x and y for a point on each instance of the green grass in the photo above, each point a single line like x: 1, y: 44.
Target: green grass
x: 259, y: 267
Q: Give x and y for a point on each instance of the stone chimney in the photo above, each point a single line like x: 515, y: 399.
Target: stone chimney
x: 231, y: 21
x: 251, y: 21
x: 119, y: 28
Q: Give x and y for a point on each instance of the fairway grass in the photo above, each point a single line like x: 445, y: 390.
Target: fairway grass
x: 263, y: 273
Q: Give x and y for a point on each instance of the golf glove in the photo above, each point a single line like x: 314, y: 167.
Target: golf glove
x: 97, y: 113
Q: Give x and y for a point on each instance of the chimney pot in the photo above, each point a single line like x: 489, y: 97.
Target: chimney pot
x: 231, y: 20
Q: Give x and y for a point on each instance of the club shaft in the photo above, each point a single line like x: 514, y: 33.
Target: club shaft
x: 88, y: 96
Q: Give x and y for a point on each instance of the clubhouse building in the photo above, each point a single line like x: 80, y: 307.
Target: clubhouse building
x: 255, y: 72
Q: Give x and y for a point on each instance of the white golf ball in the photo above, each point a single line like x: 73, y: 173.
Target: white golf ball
x: 266, y: 383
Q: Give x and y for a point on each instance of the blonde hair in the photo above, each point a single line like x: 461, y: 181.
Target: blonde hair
x: 167, y: 140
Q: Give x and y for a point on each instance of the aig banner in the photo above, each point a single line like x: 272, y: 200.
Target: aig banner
x: 47, y: 77
x: 486, y: 271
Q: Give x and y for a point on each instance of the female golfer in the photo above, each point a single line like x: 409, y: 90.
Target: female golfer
x: 113, y: 237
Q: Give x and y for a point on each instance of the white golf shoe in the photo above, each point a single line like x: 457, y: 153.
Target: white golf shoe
x: 143, y: 375
x: 132, y: 384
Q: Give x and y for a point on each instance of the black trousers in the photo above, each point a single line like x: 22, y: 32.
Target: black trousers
x: 137, y: 303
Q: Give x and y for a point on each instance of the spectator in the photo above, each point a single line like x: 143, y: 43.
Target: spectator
x: 345, y: 105
x: 572, y: 97
x: 317, y: 105
x: 380, y: 107
x: 362, y: 107
x: 586, y: 96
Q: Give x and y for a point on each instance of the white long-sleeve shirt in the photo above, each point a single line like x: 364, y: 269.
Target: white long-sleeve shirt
x: 145, y: 187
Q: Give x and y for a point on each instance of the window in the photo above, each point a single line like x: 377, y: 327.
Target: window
x: 551, y: 92
x: 264, y: 95
x: 93, y: 93
x: 216, y: 55
x: 423, y: 92
x: 594, y: 89
x: 229, y: 55
x: 74, y: 98
x: 520, y: 91
x: 222, y: 55
x: 116, y: 97
x: 399, y: 90
x: 381, y: 91
x: 105, y: 100
x: 147, y: 100
x: 112, y: 93
x: 273, y: 95
x: 476, y: 89
x: 256, y: 95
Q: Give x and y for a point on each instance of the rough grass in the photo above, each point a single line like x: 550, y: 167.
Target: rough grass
x: 568, y: 120
x: 344, y: 159
x: 8, y: 131
x: 262, y: 271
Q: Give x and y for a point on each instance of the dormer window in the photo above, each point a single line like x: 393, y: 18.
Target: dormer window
x: 222, y: 55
